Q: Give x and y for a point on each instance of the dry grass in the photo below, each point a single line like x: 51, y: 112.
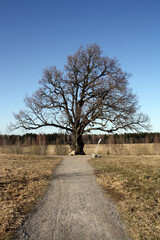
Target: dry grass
x: 23, y: 180
x: 20, y: 149
x: 124, y: 149
x: 109, y: 149
x: 104, y: 149
x: 134, y: 184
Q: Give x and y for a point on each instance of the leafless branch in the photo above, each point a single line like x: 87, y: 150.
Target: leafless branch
x: 92, y: 93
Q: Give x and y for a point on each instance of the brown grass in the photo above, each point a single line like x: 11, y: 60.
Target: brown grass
x: 124, y: 149
x: 104, y: 149
x: 23, y: 180
x: 110, y: 149
x: 134, y: 184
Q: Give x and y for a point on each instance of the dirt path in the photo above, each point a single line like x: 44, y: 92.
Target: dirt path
x: 74, y: 208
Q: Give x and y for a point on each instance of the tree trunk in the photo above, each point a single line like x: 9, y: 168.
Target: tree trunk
x: 77, y: 144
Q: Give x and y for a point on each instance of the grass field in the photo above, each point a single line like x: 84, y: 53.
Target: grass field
x: 110, y: 149
x: 23, y: 180
x: 104, y: 149
x: 133, y: 182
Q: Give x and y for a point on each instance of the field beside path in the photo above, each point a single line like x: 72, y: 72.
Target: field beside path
x: 74, y: 207
x: 23, y: 181
x: 132, y: 181
x: 134, y: 184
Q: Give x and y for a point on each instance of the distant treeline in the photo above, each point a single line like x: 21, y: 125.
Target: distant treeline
x: 60, y: 138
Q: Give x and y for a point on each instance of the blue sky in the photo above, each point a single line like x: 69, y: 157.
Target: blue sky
x: 35, y: 34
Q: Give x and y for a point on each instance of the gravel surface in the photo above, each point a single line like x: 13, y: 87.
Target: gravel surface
x: 74, y: 208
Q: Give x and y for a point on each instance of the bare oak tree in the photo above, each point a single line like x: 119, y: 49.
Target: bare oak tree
x: 91, y: 93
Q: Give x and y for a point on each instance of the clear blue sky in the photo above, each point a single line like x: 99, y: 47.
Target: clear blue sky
x: 39, y: 33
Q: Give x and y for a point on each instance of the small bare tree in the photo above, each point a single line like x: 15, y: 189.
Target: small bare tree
x: 91, y: 93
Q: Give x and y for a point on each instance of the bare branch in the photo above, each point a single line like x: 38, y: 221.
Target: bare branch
x: 91, y: 93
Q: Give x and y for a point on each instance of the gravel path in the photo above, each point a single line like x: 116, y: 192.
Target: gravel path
x: 74, y: 208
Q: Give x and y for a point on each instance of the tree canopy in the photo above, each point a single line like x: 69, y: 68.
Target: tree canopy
x: 91, y: 93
